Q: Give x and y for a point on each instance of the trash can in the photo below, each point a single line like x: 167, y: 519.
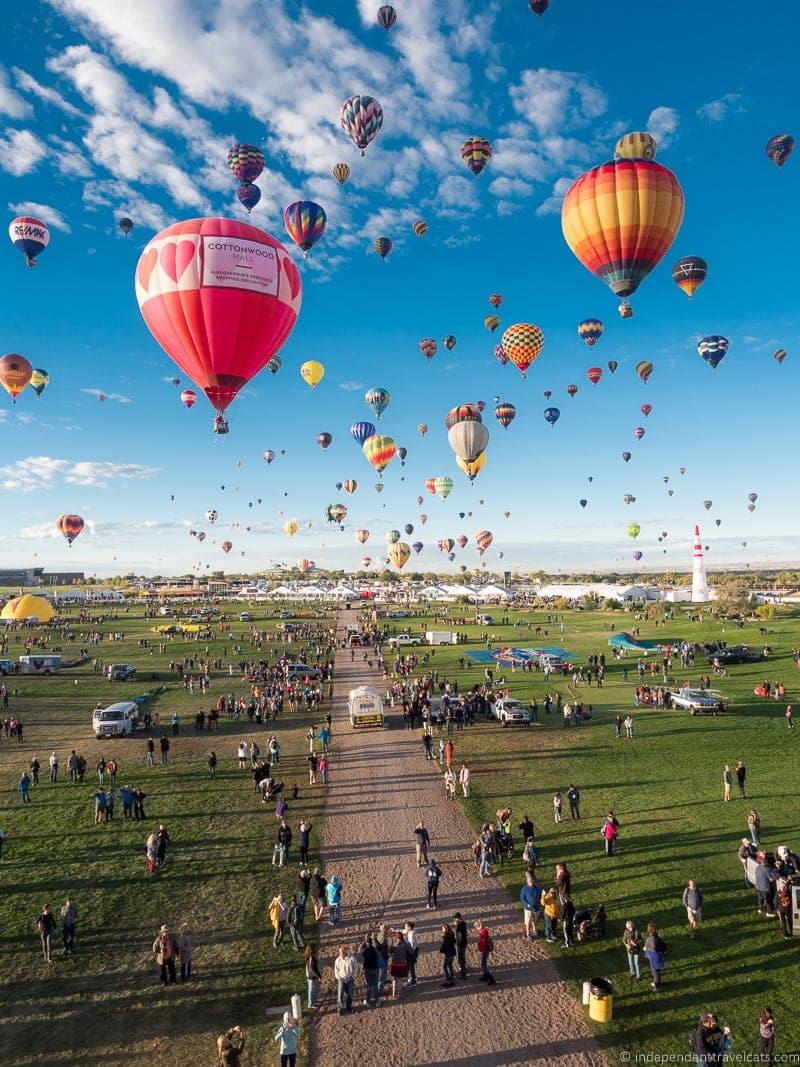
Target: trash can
x: 601, y: 1000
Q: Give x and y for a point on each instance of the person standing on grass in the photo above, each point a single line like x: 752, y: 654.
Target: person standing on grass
x: 557, y: 804
x: 693, y: 902
x: 766, y: 1035
x: 449, y: 784
x: 610, y: 832
x: 151, y: 848
x: 164, y: 744
x: 486, y: 847
x: 754, y: 826
x: 46, y: 925
x: 72, y: 767
x: 295, y: 920
x: 24, y: 788
x: 618, y: 726
x: 138, y: 803
x: 783, y: 901
x: 277, y: 916
x: 185, y: 952
x: 574, y: 798
x: 433, y: 873
x: 485, y: 948
x: 53, y: 761
x: 287, y: 1034
x: 162, y: 840
x: 765, y: 888
x: 151, y: 747
x: 230, y: 1047
x: 531, y: 898
x: 69, y: 920
x: 101, y: 771
x: 655, y: 949
x: 165, y: 950
x: 727, y: 782
x: 99, y: 798
x: 305, y: 834
x: 313, y: 764
x: 629, y: 726
x: 313, y: 975
x: 324, y: 765
x: 632, y: 940
x: 464, y: 779
x: 241, y: 755
x: 789, y: 717
x: 421, y: 840
x: 282, y: 842
x: 448, y: 950
x: 35, y: 765
x: 212, y: 764
x: 741, y: 774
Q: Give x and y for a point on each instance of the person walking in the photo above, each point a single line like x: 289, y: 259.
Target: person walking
x: 610, y: 832
x: 655, y: 949
x: 766, y: 1035
x: 295, y: 920
x: 287, y: 1034
x: 421, y: 840
x: 531, y: 897
x: 398, y: 966
x: 727, y: 782
x: 46, y: 925
x: 69, y: 920
x: 574, y: 798
x: 632, y: 940
x: 693, y: 902
x: 557, y: 803
x: 464, y: 780
x: 53, y: 761
x: 462, y: 937
x: 485, y: 948
x: 185, y: 951
x: 741, y: 774
x: 433, y: 874
x: 448, y: 951
x: 313, y: 975
x: 165, y: 950
x: 410, y: 934
x: 369, y: 965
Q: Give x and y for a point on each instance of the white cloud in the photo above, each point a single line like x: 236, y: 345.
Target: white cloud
x: 663, y: 125
x: 43, y: 472
x: 552, y: 99
x: 69, y: 159
x: 351, y: 387
x: 11, y: 103
x: 49, y: 214
x: 718, y: 110
x: 117, y: 397
x: 552, y: 205
x: 21, y: 151
x: 29, y: 84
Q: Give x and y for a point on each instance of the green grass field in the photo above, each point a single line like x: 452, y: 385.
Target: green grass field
x: 665, y: 786
x: 105, y: 1004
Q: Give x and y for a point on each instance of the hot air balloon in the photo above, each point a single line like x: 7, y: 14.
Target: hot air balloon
x: 646, y: 409
x: 350, y: 486
x: 638, y: 433
x: 189, y: 398
x: 248, y: 195
x: 689, y: 274
x: 665, y: 478
x: 291, y: 527
x: 572, y: 390
x: 780, y: 354
x: 712, y: 349
x: 752, y: 497
x: 552, y: 415
x: 382, y: 246
x: 212, y: 515
x: 443, y: 486
x: 427, y: 347
x: 417, y: 546
x: 378, y: 400
x: 644, y: 369
x: 751, y: 507
x: 633, y: 530
x: 522, y: 344
x: 620, y: 218
x: 312, y: 373
x: 40, y: 379
x: 341, y: 172
x: 505, y: 414
x: 430, y: 486
x: 246, y: 162
x: 423, y: 518
x: 590, y: 331
x: 362, y: 536
x: 402, y: 453
x: 780, y: 147
x: 70, y: 526
x: 304, y: 565
x: 201, y: 536
x: 538, y: 7
x: 31, y: 236
x: 379, y: 451
x: 305, y: 223
x: 629, y: 498
x: 398, y: 553
x: 275, y: 364
x: 126, y: 225
x: 491, y: 322
x: 468, y: 439
x: 626, y: 456
x: 462, y: 413
x: 15, y: 373
x: 220, y: 297
x: 473, y: 468
x: 462, y: 540
x: 496, y: 299
x: 360, y: 431
x: 449, y: 342
x: 637, y: 555
x: 583, y: 503
x: 547, y: 394
x: 419, y: 227
x: 226, y: 546
x: 361, y: 118
x: 612, y: 365
x: 625, y: 310
x: 422, y: 428
x: 324, y: 440
x: 594, y: 374
x: 483, y: 539
x: 386, y: 16
x: 476, y: 153
x: 336, y: 513
x: 500, y: 355
x: 392, y: 536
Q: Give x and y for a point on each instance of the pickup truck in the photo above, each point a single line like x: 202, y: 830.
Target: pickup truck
x: 403, y: 639
x: 697, y: 700
x: 511, y: 711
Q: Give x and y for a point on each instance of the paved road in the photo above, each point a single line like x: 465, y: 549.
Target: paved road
x: 380, y: 787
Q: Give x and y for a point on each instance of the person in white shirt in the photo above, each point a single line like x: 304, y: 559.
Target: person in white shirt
x: 464, y: 779
x: 54, y: 767
x: 242, y: 755
x: 345, y: 971
x: 450, y: 784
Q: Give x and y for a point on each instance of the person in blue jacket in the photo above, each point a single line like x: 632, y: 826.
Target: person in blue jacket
x: 531, y: 897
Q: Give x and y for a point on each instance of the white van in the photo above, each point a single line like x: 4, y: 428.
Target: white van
x: 365, y: 707
x: 117, y: 720
x: 39, y: 665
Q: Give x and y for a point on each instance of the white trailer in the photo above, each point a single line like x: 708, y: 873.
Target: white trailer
x: 441, y: 637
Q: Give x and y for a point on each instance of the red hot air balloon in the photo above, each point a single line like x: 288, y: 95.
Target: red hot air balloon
x: 496, y: 299
x: 220, y: 296
x: 572, y: 389
x: 594, y: 374
x: 646, y: 409
x: 188, y: 398
x: 70, y: 526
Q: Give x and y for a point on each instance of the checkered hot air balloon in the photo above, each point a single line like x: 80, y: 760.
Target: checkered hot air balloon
x: 382, y: 246
x: 620, y: 218
x: 779, y: 148
x: 522, y: 344
x: 361, y: 118
x: 246, y: 162
x: 476, y: 153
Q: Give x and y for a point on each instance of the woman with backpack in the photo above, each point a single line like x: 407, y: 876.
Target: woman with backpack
x: 655, y: 949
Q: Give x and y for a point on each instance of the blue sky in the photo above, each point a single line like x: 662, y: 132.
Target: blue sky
x: 129, y: 108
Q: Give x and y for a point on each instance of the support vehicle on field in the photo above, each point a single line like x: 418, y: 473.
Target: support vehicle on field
x: 441, y: 637
x: 508, y: 710
x: 39, y: 665
x: 365, y: 707
x: 696, y: 701
x: 117, y: 720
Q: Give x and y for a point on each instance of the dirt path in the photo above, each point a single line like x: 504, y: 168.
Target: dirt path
x: 380, y: 786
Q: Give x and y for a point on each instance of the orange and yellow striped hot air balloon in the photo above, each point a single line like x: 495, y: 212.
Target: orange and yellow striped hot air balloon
x: 620, y: 218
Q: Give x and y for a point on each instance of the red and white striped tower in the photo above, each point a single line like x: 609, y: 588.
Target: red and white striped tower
x: 700, y: 593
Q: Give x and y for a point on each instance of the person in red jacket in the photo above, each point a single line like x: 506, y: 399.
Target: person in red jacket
x: 610, y: 832
x: 486, y: 948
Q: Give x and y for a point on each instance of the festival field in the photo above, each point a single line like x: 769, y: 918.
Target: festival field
x: 665, y: 785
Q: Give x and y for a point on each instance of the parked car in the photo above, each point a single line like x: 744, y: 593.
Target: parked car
x: 117, y: 720
x: 485, y: 620
x: 302, y: 670
x: 245, y: 616
x: 697, y: 700
x: 736, y: 654
x: 509, y: 710
x: 121, y: 672
x: 403, y: 639
x: 398, y: 615
x: 285, y: 614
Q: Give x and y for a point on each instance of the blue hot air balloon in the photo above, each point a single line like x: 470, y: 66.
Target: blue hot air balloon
x: 360, y: 431
x: 712, y: 349
x: 552, y: 415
